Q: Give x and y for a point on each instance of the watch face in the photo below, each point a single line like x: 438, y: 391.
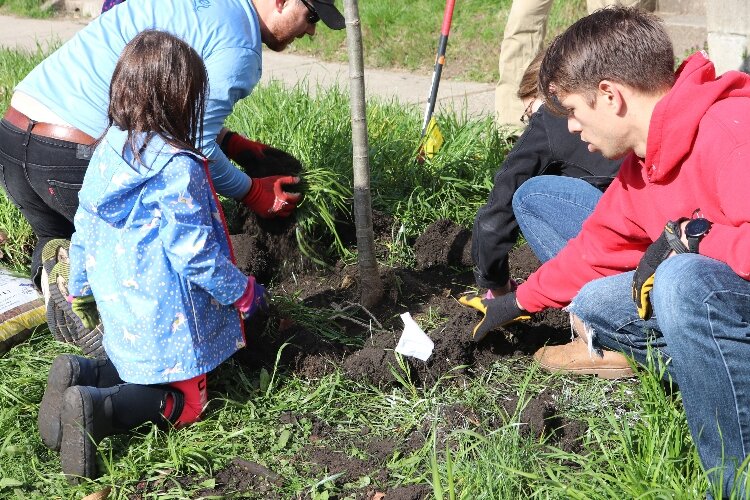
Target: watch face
x: 697, y: 227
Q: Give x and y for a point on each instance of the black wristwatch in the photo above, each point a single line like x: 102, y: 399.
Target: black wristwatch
x: 695, y: 230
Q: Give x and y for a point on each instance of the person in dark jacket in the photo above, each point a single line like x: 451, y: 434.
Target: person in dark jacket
x: 545, y: 148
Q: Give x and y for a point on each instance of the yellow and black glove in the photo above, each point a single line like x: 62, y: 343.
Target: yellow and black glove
x: 498, y: 312
x: 656, y: 253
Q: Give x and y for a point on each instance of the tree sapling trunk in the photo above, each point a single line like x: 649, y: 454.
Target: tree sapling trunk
x: 371, y: 286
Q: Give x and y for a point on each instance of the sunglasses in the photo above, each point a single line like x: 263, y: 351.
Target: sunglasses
x: 527, y: 112
x: 313, y: 17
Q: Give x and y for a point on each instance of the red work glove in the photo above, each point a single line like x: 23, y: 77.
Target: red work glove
x: 267, y: 197
x: 254, y: 297
x: 258, y: 159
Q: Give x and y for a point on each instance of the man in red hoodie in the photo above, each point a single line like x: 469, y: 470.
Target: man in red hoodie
x: 662, y: 264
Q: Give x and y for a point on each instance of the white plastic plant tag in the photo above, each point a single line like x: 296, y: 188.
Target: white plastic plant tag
x: 414, y: 341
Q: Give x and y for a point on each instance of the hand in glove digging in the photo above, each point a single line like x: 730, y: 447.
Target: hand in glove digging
x: 85, y: 308
x: 267, y: 196
x: 497, y: 312
x: 253, y: 298
x: 656, y: 253
x: 258, y: 159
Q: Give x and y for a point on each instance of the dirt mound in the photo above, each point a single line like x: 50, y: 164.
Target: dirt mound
x: 436, y: 290
x: 266, y: 247
x: 429, y: 294
x: 443, y: 243
x: 239, y: 478
x: 364, y: 340
x: 540, y: 419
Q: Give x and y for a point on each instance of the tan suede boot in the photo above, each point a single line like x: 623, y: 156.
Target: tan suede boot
x: 574, y: 358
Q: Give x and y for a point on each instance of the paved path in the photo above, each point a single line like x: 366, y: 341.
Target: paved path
x: 411, y: 89
x: 26, y: 33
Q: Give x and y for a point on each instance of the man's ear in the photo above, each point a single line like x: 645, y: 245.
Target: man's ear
x: 610, y: 94
x: 279, y: 5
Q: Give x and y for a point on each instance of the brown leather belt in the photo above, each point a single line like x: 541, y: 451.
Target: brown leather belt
x: 20, y: 120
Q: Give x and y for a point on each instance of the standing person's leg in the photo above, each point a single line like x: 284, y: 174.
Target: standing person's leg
x: 704, y: 315
x: 42, y: 177
x: 522, y: 39
x: 550, y: 210
x: 592, y: 5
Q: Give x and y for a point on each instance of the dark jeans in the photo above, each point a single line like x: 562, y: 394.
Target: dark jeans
x: 42, y: 177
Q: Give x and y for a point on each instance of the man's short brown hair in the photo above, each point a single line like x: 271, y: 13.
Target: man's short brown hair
x: 625, y: 45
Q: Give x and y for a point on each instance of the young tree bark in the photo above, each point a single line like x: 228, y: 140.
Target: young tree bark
x: 371, y: 286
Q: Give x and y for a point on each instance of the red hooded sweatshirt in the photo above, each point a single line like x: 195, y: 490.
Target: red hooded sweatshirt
x: 697, y: 157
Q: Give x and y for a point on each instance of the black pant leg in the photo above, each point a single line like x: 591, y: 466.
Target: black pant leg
x: 42, y: 177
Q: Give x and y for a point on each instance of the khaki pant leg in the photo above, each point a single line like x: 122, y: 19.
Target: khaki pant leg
x: 522, y: 39
x: 593, y: 5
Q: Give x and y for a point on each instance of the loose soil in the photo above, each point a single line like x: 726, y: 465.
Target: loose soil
x: 429, y: 293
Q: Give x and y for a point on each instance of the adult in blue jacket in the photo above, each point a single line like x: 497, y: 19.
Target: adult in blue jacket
x: 59, y: 110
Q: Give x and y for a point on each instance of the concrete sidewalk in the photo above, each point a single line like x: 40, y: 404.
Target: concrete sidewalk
x: 474, y: 99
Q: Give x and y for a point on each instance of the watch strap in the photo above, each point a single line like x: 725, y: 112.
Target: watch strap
x: 693, y: 242
x: 673, y: 234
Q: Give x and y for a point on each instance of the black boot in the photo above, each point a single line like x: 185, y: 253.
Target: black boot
x: 66, y: 371
x: 90, y: 414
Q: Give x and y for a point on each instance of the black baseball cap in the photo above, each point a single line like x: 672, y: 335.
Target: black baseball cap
x: 329, y: 14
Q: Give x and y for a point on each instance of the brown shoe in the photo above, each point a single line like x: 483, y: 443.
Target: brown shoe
x: 574, y: 358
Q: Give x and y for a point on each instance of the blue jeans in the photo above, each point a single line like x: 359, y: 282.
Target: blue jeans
x: 701, y: 326
x: 550, y: 210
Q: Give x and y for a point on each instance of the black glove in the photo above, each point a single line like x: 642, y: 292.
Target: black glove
x: 258, y: 159
x: 656, y: 253
x: 497, y: 312
x: 64, y: 324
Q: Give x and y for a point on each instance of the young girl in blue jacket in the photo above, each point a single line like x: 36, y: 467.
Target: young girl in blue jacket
x: 152, y: 254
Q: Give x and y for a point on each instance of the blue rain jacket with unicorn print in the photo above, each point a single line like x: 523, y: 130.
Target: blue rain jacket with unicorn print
x: 151, y: 245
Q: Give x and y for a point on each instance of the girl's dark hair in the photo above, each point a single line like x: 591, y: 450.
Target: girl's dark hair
x: 529, y: 86
x: 159, y: 86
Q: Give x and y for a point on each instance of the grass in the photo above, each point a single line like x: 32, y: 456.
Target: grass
x: 316, y: 128
x: 25, y: 8
x: 637, y: 444
x: 405, y: 35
